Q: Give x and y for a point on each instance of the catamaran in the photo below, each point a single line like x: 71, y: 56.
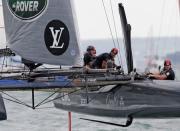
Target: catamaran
x: 42, y: 32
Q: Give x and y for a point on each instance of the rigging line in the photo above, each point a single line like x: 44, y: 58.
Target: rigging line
x: 6, y: 62
x: 3, y: 62
x: 118, y: 43
x: 12, y: 66
x: 41, y: 108
x: 108, y: 23
x: 12, y: 97
x: 115, y: 31
x: 160, y: 28
x: 15, y: 99
x: 177, y: 24
x: 63, y: 95
x: 162, y: 16
x: 170, y: 21
x: 43, y: 101
x: 17, y: 102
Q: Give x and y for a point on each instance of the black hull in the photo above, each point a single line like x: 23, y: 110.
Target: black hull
x: 146, y: 112
x: 147, y: 99
x: 3, y: 115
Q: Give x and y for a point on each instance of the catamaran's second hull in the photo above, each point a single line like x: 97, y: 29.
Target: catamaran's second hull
x: 143, y: 99
x: 3, y: 115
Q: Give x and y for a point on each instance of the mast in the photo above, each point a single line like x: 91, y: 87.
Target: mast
x: 126, y: 28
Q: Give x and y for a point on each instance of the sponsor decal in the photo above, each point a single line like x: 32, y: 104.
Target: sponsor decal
x: 83, y: 101
x: 27, y: 9
x: 56, y: 37
x: 73, y: 52
x: 167, y: 73
x: 65, y: 97
x: 115, y: 100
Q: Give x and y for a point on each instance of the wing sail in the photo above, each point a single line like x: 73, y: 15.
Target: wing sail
x: 126, y: 28
x: 43, y: 31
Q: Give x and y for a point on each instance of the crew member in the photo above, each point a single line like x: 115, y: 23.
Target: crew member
x: 105, y: 60
x: 89, y: 56
x: 166, y: 74
x: 30, y: 64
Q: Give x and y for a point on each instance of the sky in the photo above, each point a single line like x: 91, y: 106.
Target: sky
x: 148, y: 18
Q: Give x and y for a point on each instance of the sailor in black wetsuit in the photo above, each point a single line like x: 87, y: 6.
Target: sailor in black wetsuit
x: 89, y: 56
x: 30, y: 64
x: 166, y: 74
x: 105, y: 60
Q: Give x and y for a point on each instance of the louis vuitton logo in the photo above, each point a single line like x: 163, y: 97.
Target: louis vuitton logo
x: 56, y: 34
x: 56, y: 37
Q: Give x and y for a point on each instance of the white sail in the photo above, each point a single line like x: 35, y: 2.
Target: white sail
x: 43, y: 31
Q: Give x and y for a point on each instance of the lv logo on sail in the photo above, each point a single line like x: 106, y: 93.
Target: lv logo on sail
x: 56, y: 37
x: 56, y: 34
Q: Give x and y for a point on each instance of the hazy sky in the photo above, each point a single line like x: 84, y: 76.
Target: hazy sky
x: 147, y: 17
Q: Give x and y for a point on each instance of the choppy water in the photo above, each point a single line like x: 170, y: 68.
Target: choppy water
x: 21, y: 118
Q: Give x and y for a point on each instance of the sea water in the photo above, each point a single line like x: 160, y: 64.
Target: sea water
x: 48, y: 118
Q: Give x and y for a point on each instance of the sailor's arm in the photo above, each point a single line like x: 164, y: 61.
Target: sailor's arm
x: 104, y: 64
x: 155, y: 73
x: 158, y: 77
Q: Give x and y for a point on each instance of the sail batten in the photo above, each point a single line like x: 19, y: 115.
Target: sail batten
x: 49, y: 36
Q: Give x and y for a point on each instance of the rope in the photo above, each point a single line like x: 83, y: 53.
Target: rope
x: 118, y: 43
x: 160, y: 29
x: 11, y: 66
x: 108, y: 23
x: 15, y: 100
x: 43, y: 101
x: 3, y: 62
x: 59, y: 97
x: 66, y: 95
x: 41, y: 108
x: 169, y: 23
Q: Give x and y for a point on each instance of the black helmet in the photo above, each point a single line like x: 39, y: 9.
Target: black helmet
x: 89, y: 48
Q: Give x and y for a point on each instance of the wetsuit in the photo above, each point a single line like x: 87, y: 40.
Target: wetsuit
x: 169, y: 74
x: 88, y: 59
x: 30, y: 64
x: 99, y: 60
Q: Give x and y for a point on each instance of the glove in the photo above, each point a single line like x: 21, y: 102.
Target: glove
x: 118, y: 67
